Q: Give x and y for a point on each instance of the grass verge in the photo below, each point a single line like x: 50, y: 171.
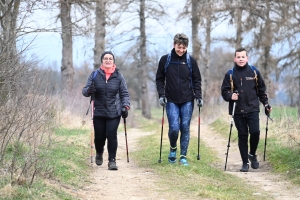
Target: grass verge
x: 68, y: 168
x: 202, y: 179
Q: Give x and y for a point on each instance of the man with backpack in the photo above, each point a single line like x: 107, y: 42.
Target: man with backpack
x: 244, y: 86
x: 178, y: 83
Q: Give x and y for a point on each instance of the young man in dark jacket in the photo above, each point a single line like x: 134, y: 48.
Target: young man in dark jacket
x: 178, y: 84
x: 244, y: 85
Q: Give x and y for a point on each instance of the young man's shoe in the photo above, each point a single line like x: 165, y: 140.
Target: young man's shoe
x: 253, y: 160
x: 99, y: 159
x: 245, y: 168
x: 112, y: 165
x: 172, y: 155
x: 183, y: 161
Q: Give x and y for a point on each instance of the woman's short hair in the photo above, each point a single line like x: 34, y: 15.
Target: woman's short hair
x: 181, y: 38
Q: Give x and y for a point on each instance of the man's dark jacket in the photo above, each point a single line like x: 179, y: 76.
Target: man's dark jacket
x: 245, y: 84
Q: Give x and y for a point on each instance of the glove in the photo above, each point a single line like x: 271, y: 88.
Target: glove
x: 199, y: 102
x: 91, y: 89
x: 163, y: 101
x: 124, y: 113
x: 267, y: 109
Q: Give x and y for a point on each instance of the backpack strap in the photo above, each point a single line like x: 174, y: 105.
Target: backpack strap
x: 188, y: 60
x: 255, y: 76
x: 230, y: 72
x: 95, y: 74
x: 168, y: 62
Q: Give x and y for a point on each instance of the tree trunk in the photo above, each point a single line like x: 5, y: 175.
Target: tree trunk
x: 205, y: 88
x: 298, y: 101
x: 8, y: 38
x: 239, y: 29
x: 267, y: 43
x: 100, y: 32
x: 9, y: 11
x: 145, y: 100
x: 67, y: 70
x: 195, y: 33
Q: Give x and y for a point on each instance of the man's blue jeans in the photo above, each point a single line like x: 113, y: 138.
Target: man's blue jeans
x: 179, y: 117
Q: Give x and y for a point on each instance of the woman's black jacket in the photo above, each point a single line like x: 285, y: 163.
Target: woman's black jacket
x: 175, y: 83
x: 110, y: 95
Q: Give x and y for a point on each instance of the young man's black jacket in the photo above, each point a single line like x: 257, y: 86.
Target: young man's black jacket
x: 245, y: 84
x: 175, y: 83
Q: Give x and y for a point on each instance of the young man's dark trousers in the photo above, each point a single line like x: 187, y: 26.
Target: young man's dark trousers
x: 247, y: 123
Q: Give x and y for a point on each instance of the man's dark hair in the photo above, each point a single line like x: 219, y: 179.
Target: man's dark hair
x: 240, y: 50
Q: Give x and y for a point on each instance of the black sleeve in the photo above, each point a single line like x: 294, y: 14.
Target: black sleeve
x: 261, y: 89
x: 161, y: 76
x: 87, y: 85
x: 196, y: 79
x: 124, y: 94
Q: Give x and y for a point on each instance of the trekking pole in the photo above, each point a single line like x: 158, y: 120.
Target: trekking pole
x: 268, y: 116
x: 198, y: 157
x: 231, y: 124
x: 126, y: 138
x: 161, y: 135
x: 92, y: 131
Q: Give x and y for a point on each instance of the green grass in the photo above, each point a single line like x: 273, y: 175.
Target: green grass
x: 66, y: 161
x: 202, y: 179
x: 39, y: 190
x: 69, y: 156
x: 283, y: 160
x: 284, y: 112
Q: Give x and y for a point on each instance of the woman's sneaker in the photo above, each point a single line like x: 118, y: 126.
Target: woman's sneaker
x: 183, y: 161
x: 172, y: 155
x: 99, y: 159
x: 253, y: 160
x: 112, y: 165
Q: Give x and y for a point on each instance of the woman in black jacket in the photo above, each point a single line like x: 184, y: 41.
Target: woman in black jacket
x: 244, y: 85
x: 108, y: 87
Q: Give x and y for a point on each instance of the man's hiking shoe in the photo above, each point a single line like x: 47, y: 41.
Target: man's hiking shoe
x: 112, y: 165
x: 253, y: 160
x: 245, y: 168
x: 99, y: 159
x: 172, y: 155
x: 183, y: 161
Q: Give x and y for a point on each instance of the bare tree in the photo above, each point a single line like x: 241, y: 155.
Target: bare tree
x: 195, y: 30
x: 100, y: 32
x: 143, y: 56
x: 27, y: 111
x: 67, y: 69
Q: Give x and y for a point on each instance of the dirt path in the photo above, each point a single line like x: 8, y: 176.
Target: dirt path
x: 129, y: 182
x: 275, y: 186
x: 133, y: 183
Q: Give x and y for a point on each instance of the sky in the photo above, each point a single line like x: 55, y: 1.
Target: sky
x: 47, y: 47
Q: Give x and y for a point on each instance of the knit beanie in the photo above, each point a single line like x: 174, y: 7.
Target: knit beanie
x: 107, y: 52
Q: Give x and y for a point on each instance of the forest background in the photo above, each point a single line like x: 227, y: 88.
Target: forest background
x: 36, y: 91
